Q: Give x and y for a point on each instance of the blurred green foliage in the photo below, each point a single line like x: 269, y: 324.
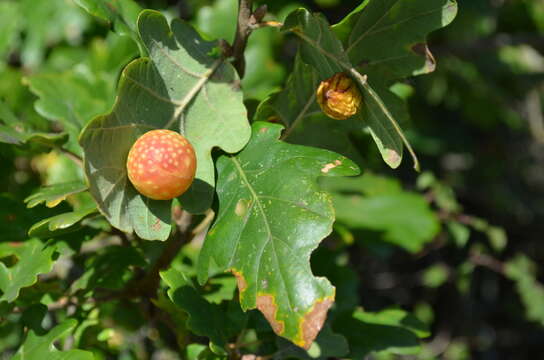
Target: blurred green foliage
x: 459, y: 245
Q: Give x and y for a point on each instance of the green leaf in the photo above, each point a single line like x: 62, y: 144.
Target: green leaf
x: 369, y: 184
x: 62, y: 223
x: 436, y: 275
x: 34, y: 259
x: 328, y: 344
x: 522, y: 271
x: 459, y: 232
x: 10, y: 22
x: 497, y: 238
x: 40, y: 35
x: 182, y: 87
x: 387, y: 37
x: 16, y: 219
x: 72, y: 98
x: 38, y: 347
x: 404, y: 217
x: 17, y: 132
x: 296, y: 107
x: 54, y: 194
x: 267, y: 225
x: 110, y: 268
x: 120, y: 14
x: 205, y: 318
x: 390, y: 331
x: 262, y: 74
x: 322, y: 49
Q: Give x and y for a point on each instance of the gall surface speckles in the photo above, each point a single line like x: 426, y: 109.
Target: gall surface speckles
x: 161, y: 164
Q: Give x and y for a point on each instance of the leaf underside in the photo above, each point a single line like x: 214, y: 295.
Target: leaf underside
x: 181, y: 87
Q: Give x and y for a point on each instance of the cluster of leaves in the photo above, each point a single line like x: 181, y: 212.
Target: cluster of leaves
x: 231, y: 274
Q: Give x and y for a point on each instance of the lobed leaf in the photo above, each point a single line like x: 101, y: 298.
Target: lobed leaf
x: 322, y: 49
x: 34, y: 259
x: 522, y: 270
x: 120, y: 14
x: 388, y: 37
x: 54, y: 194
x: 36, y: 347
x: 327, y: 345
x: 40, y: 36
x: 390, y: 331
x: 267, y: 225
x: 71, y: 98
x: 384, y: 211
x: 16, y: 132
x: 110, y: 268
x: 296, y: 108
x: 62, y: 223
x: 181, y: 86
x: 205, y: 318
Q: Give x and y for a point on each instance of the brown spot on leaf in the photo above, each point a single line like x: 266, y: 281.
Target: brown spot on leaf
x: 330, y: 166
x: 267, y: 305
x: 241, y: 207
x: 240, y: 280
x: 313, y: 321
x: 263, y: 130
x: 423, y: 50
x: 274, y: 119
x: 236, y: 85
x: 392, y: 158
x: 156, y: 225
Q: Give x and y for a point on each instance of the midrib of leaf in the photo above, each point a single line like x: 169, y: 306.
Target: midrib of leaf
x: 182, y: 104
x: 300, y: 116
x: 394, y: 123
x: 362, y: 81
x: 268, y: 230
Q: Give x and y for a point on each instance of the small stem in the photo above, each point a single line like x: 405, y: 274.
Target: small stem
x: 487, y: 262
x: 204, y: 223
x: 299, y: 118
x: 243, y: 30
x: 264, y: 24
x: 75, y: 158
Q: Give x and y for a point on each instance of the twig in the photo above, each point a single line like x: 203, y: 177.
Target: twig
x: 243, y: 30
x: 204, y: 223
x: 248, y: 21
x: 487, y: 262
x: 75, y: 158
x: 535, y: 117
x: 263, y: 24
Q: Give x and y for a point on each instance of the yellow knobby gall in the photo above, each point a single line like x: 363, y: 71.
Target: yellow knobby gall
x: 339, y: 97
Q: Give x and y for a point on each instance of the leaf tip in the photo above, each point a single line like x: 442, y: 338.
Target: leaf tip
x: 392, y: 158
x: 313, y: 321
